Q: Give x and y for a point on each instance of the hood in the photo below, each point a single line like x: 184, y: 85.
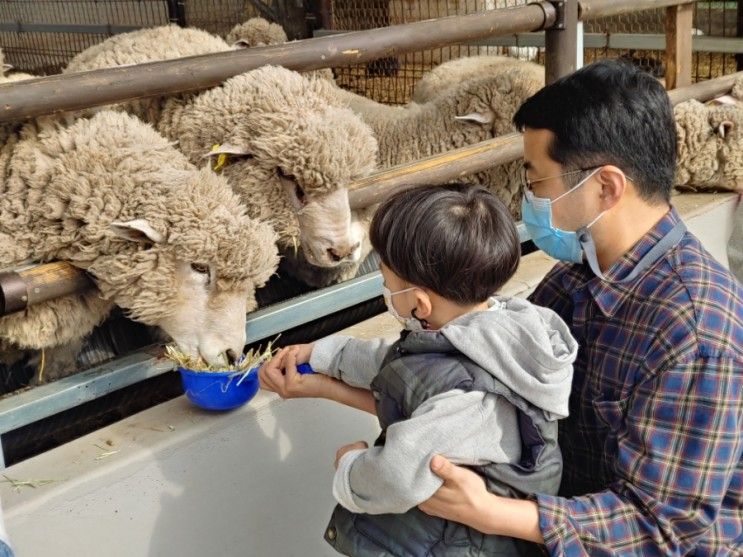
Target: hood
x: 526, y: 347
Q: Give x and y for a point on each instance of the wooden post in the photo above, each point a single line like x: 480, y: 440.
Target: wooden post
x: 678, y: 45
x: 561, y: 41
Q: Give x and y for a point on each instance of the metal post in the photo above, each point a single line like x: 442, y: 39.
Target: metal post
x: 561, y: 41
x: 177, y: 12
x: 739, y: 33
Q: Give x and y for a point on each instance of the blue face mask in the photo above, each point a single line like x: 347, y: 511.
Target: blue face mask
x: 536, y: 213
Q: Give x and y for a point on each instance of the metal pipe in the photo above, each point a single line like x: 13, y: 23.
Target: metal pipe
x: 593, y: 9
x: 75, y: 91
x: 436, y: 169
x: 372, y: 189
x: 561, y: 41
x: 39, y: 283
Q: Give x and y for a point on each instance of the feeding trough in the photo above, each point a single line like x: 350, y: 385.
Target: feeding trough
x: 212, y: 388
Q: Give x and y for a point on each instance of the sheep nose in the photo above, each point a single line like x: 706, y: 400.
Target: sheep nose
x: 338, y: 254
x: 231, y: 356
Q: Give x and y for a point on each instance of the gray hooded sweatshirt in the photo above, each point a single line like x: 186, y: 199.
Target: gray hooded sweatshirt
x: 527, y: 348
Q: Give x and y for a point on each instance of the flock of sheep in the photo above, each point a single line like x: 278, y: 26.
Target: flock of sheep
x: 181, y: 207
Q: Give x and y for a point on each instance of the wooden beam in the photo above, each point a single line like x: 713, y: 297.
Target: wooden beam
x: 678, y: 45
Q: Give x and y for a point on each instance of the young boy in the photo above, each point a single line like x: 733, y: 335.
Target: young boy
x: 480, y: 379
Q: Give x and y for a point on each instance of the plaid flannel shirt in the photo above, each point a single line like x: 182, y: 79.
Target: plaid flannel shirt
x: 653, y: 445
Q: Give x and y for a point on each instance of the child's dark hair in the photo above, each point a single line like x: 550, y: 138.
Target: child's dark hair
x: 609, y: 112
x: 457, y: 240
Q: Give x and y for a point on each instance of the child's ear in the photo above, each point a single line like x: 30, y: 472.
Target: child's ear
x: 423, y: 305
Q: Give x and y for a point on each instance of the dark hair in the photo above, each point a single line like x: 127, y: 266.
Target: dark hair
x: 457, y: 240
x: 609, y: 113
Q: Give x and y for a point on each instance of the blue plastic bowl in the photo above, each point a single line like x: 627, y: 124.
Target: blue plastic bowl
x: 219, y: 390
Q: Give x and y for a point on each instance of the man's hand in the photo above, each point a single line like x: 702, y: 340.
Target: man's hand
x: 344, y: 449
x: 462, y: 498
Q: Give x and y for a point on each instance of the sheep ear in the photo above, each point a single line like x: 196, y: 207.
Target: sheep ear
x: 484, y: 118
x: 725, y: 99
x: 227, y: 149
x: 137, y: 230
x: 725, y: 127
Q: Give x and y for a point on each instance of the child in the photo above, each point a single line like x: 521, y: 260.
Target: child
x: 479, y: 379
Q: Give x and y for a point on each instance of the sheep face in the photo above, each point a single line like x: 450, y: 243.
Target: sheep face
x: 193, y: 269
x: 708, y: 146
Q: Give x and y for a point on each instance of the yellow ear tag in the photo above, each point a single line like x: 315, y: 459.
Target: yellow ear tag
x: 221, y: 159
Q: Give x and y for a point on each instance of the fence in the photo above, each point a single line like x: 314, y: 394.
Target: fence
x: 47, y: 95
x: 391, y: 80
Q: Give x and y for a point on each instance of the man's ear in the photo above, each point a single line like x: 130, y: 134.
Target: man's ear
x: 613, y: 185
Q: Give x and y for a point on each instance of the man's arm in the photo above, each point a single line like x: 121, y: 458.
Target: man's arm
x: 678, y: 448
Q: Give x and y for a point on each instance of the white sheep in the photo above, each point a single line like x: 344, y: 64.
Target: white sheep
x: 709, y: 146
x: 256, y: 32
x: 168, y: 243
x: 475, y: 110
x: 290, y: 152
x: 452, y: 74
x: 290, y: 155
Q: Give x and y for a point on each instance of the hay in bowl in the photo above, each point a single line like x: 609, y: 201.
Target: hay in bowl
x: 220, y: 387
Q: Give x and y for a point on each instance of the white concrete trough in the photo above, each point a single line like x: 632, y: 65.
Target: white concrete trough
x: 176, y: 481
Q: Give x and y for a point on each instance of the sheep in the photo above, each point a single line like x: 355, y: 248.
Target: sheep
x: 168, y: 243
x: 453, y: 73
x: 709, y: 144
x: 260, y: 32
x: 476, y: 110
x: 256, y: 32
x: 7, y: 74
x: 290, y: 153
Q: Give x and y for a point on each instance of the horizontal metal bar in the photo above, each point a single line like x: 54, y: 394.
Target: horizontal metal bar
x: 593, y: 9
x: 617, y: 41
x: 101, y: 29
x: 74, y: 91
x: 270, y: 321
x: 46, y: 400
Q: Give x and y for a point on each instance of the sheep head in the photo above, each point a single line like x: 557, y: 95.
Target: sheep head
x: 256, y: 32
x: 708, y: 146
x: 484, y: 106
x: 190, y: 265
x: 301, y: 152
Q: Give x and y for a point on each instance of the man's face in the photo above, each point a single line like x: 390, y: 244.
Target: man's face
x: 575, y: 209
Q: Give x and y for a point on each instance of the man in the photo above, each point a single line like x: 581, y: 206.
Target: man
x: 652, y: 447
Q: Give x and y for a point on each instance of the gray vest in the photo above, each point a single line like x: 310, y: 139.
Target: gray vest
x: 417, y: 368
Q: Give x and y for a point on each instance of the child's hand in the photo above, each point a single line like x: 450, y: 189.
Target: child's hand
x: 344, y: 449
x: 280, y: 375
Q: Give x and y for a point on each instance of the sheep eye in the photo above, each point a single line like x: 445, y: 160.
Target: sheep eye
x: 299, y: 192
x: 199, y: 268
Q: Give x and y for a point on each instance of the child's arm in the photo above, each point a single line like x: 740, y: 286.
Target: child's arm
x: 354, y: 361
x: 466, y: 427
x: 280, y: 375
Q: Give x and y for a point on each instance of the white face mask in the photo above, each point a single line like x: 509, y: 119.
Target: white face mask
x: 410, y: 323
